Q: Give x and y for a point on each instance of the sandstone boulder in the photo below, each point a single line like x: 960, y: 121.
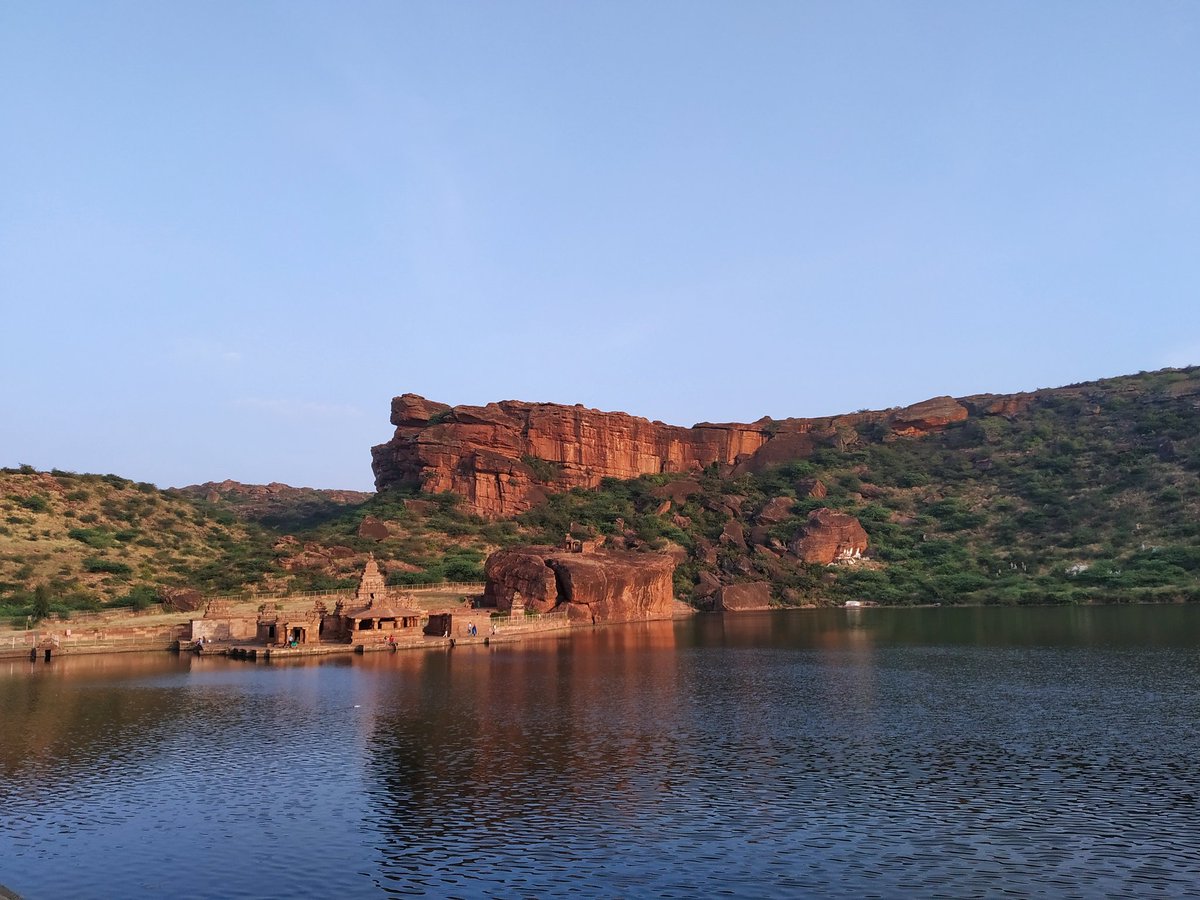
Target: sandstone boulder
x: 611, y: 586
x: 520, y: 569
x: 829, y: 536
x: 413, y: 409
x: 707, y: 584
x: 776, y: 510
x: 373, y: 529
x: 678, y: 492
x: 811, y: 487
x: 601, y: 586
x: 744, y: 597
x: 733, y: 534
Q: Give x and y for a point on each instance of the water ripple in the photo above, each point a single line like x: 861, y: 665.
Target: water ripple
x: 654, y: 761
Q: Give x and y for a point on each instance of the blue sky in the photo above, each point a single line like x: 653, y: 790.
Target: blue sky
x: 231, y: 232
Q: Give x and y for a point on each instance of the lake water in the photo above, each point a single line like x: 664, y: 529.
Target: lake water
x: 936, y: 752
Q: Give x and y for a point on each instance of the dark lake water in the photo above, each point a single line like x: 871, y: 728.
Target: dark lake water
x: 890, y: 753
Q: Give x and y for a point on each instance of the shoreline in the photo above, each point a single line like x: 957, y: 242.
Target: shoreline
x: 17, y: 645
x: 63, y: 643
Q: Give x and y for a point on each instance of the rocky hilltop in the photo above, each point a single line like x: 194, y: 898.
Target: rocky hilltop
x: 506, y: 457
x: 275, y: 503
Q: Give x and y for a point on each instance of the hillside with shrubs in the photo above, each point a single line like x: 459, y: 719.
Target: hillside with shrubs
x: 1088, y: 493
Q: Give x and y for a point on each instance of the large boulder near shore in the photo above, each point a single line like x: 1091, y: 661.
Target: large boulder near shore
x: 520, y: 570
x: 599, y: 586
x: 744, y: 597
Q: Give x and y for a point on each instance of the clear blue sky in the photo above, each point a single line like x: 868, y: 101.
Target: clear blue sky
x: 230, y: 232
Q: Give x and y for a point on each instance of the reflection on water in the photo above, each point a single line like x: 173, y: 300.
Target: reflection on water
x: 939, y: 752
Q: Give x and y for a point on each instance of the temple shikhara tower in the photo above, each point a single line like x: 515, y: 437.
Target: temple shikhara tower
x: 371, y: 587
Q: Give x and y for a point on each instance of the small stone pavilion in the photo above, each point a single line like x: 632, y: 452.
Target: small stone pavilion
x: 374, y: 615
x: 303, y: 627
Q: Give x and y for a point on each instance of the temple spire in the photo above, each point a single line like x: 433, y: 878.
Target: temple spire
x: 372, y: 587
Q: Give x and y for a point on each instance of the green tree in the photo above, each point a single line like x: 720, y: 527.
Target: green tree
x: 41, y: 601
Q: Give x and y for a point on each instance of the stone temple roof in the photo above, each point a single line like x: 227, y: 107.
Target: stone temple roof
x: 382, y: 610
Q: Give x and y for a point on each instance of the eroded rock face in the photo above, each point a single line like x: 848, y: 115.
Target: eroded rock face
x: 522, y: 570
x: 603, y: 586
x: 182, y: 599
x: 504, y: 457
x: 929, y: 415
x: 811, y: 487
x: 777, y: 509
x: 828, y: 537
x: 373, y: 528
x: 742, y: 597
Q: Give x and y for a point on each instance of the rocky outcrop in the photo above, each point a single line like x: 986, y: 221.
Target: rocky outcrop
x: 602, y: 586
x: 930, y: 415
x: 811, y: 487
x: 828, y: 537
x: 776, y: 510
x: 522, y: 570
x: 182, y: 599
x: 505, y: 458
x: 373, y: 529
x: 744, y: 597
x: 274, y: 501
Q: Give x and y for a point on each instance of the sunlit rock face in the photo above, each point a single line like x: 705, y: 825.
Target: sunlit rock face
x: 829, y: 536
x: 600, y: 586
x: 505, y: 458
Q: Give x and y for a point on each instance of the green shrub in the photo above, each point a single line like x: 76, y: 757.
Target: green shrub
x: 139, y: 597
x: 93, y: 537
x: 543, y: 469
x: 95, y: 564
x: 36, y: 503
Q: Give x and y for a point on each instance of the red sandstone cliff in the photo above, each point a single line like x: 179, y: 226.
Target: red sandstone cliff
x: 506, y: 457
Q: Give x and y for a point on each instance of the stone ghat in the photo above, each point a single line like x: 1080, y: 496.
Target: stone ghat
x: 65, y: 640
